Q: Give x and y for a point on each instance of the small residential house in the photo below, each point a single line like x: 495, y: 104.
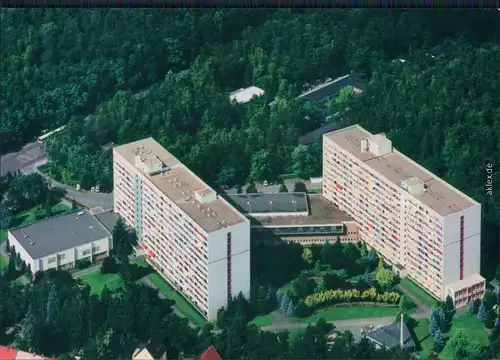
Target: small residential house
x: 393, y: 335
x: 210, y: 354
x: 151, y: 351
x: 242, y: 96
x: 60, y: 241
x: 8, y: 353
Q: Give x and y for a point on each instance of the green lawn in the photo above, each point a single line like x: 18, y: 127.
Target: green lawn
x: 419, y: 293
x: 180, y: 302
x: 423, y: 337
x: 349, y: 312
x: 3, y: 235
x: 97, y: 281
x: 263, y: 320
x: 315, y: 191
x: 473, y: 327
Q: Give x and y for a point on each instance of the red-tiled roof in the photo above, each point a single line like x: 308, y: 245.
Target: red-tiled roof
x: 7, y: 353
x: 210, y: 354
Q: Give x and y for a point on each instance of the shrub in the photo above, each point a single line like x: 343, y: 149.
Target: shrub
x: 473, y: 306
x: 302, y: 310
x: 337, y: 296
x: 481, y: 314
x: 82, y: 264
x: 109, y: 266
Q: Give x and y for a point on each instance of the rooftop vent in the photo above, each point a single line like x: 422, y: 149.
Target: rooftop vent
x: 91, y: 227
x: 77, y: 218
x: 80, y: 213
x: 32, y: 243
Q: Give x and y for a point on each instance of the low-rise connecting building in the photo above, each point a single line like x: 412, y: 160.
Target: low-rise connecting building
x: 60, y: 241
x: 297, y: 217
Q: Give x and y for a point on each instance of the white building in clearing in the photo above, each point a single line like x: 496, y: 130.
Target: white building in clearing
x: 242, y: 96
x: 60, y: 241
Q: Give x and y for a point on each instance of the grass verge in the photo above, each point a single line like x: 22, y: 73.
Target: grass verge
x: 349, y: 312
x: 423, y: 338
x: 180, y: 302
x: 315, y: 191
x: 418, y: 292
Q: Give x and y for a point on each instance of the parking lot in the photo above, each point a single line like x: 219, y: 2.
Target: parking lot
x: 24, y: 159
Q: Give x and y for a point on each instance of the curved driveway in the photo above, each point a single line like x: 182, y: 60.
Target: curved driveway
x: 86, y: 198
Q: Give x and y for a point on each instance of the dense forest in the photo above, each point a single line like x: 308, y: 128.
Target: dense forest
x: 168, y: 74
x: 117, y: 75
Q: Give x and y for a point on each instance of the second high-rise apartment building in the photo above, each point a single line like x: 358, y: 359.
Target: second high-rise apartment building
x: 421, y: 225
x: 195, y: 239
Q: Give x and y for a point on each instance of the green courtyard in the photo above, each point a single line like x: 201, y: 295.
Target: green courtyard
x: 180, y: 302
x: 475, y: 332
x: 97, y: 281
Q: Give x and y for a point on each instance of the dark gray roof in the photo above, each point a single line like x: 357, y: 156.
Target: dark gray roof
x: 59, y: 233
x: 389, y: 335
x: 269, y: 203
x: 310, y: 137
x: 108, y: 219
x: 332, y: 88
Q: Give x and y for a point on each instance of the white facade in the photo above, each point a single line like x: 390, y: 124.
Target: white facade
x: 183, y: 226
x: 412, y: 218
x: 228, y: 266
x: 66, y: 258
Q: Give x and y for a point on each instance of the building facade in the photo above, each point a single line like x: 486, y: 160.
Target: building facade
x: 195, y: 239
x: 59, y: 242
x: 424, y: 227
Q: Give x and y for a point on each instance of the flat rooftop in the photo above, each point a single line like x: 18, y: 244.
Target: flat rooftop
x: 467, y: 282
x: 396, y: 167
x: 179, y: 184
x: 321, y: 212
x: 60, y: 233
x: 108, y: 219
x: 243, y: 96
x: 270, y: 203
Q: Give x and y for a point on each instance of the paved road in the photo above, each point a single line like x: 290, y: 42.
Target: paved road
x: 17, y: 161
x: 86, y: 198
x: 353, y: 325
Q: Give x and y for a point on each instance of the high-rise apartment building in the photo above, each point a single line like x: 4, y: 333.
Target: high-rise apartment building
x: 422, y: 226
x: 195, y: 239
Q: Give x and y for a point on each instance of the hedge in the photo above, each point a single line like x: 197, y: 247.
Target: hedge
x: 330, y: 297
